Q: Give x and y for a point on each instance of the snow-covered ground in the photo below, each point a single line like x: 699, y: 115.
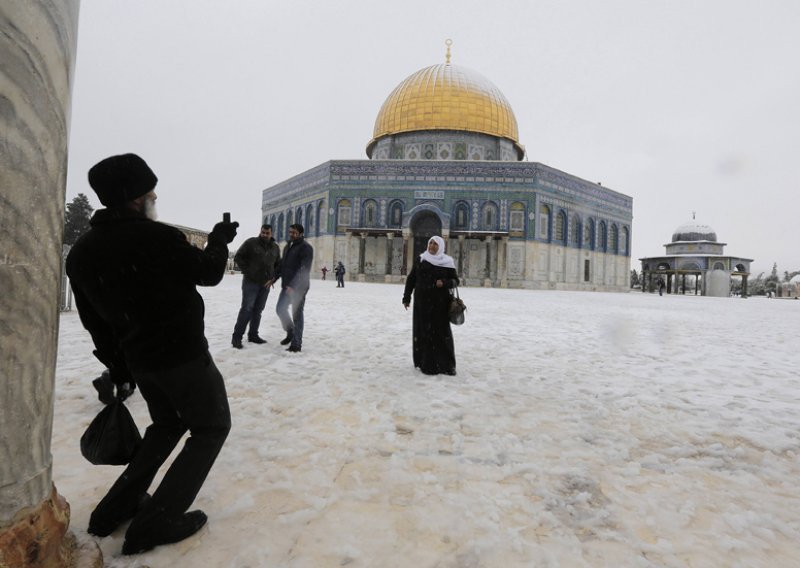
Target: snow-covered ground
x: 582, y: 429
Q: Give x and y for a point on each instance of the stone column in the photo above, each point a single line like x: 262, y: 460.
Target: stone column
x: 408, y: 251
x: 37, y: 48
x: 487, y: 282
x: 461, y: 243
x: 362, y: 251
x: 389, y: 255
x: 502, y: 261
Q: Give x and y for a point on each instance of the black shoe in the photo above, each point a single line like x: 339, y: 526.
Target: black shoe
x: 257, y: 340
x: 294, y: 349
x: 167, y: 532
x: 288, y: 339
x: 237, y: 343
x: 99, y: 526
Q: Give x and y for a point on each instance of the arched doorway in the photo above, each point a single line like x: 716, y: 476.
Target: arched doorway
x: 424, y: 225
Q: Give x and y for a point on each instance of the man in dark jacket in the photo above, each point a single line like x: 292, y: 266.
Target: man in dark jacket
x: 295, y: 271
x: 259, y: 259
x: 134, y: 282
x: 339, y: 271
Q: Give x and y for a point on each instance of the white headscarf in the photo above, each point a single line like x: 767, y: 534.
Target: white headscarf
x: 438, y: 259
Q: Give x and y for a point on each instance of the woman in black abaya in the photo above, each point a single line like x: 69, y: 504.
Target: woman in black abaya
x: 431, y: 279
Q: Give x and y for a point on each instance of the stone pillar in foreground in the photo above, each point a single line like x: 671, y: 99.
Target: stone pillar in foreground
x: 37, y: 55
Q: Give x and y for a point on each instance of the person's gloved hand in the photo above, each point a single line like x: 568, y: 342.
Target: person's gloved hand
x: 223, y: 232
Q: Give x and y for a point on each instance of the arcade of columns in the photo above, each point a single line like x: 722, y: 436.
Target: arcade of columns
x: 495, y: 246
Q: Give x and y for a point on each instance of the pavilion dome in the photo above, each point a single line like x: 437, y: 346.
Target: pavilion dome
x: 446, y: 97
x: 694, y: 231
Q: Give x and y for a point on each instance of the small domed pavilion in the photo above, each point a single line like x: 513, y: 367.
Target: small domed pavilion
x: 695, y: 251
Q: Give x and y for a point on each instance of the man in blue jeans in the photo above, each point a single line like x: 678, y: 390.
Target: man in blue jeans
x: 295, y: 271
x: 259, y: 259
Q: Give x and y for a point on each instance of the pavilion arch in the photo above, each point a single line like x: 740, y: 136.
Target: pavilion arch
x: 718, y: 266
x: 741, y: 268
x: 689, y: 266
x: 664, y: 266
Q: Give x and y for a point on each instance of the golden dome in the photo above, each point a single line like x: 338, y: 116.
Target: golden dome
x: 447, y: 97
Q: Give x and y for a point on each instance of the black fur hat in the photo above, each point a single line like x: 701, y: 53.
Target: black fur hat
x: 119, y: 179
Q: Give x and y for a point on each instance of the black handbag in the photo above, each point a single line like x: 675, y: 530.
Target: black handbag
x: 457, y: 308
x: 112, y: 438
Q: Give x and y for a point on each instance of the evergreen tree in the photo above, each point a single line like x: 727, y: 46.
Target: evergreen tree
x: 76, y: 219
x: 771, y: 281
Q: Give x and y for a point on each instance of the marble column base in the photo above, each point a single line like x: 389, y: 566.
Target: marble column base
x: 37, y: 538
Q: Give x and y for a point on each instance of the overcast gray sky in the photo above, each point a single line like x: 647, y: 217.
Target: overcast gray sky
x: 685, y: 105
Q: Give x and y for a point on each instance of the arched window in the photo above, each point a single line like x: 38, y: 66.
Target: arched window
x: 544, y: 222
x: 559, y: 229
x: 322, y: 218
x: 613, y: 239
x: 588, y: 234
x: 344, y: 216
x: 489, y: 216
x: 289, y: 220
x: 461, y: 216
x: 298, y: 216
x: 370, y: 213
x: 279, y: 228
x: 517, y: 217
x: 395, y: 214
x: 575, y: 231
x: 310, y: 229
x: 601, y: 236
x: 623, y: 244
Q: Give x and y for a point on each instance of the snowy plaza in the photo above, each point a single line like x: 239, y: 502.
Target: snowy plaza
x: 582, y: 430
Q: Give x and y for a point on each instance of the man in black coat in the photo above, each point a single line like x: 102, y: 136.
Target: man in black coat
x: 134, y: 282
x: 295, y: 272
x: 259, y: 259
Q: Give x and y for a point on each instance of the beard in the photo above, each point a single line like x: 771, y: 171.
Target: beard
x: 150, y: 209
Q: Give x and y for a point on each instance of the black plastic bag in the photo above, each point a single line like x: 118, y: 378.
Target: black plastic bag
x: 112, y: 438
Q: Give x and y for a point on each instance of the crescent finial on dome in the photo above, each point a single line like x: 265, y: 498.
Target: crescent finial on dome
x: 448, y: 43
